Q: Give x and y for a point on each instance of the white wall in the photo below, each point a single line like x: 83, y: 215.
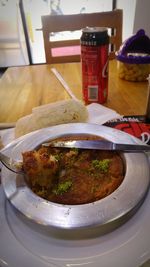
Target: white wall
x: 128, y: 7
x: 13, y: 49
x: 136, y: 15
x: 142, y: 16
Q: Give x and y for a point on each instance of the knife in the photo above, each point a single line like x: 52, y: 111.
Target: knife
x: 97, y: 144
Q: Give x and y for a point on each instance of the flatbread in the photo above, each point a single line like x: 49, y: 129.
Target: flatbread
x: 66, y: 111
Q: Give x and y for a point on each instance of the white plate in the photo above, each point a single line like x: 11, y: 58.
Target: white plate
x: 24, y: 243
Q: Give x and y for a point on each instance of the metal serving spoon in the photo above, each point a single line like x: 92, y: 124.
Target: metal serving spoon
x: 11, y: 164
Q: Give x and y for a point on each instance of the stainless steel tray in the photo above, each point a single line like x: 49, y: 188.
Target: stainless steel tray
x: 110, y: 211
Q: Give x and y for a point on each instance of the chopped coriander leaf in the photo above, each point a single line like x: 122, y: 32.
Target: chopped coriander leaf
x: 101, y: 165
x: 57, y: 157
x: 62, y: 187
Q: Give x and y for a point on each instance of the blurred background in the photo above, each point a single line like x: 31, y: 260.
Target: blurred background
x: 21, y: 38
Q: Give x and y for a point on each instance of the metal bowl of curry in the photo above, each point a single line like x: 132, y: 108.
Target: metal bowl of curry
x: 89, y: 205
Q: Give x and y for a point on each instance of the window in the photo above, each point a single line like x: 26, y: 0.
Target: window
x: 34, y: 9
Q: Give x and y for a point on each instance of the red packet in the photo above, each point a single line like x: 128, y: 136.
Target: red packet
x: 133, y: 126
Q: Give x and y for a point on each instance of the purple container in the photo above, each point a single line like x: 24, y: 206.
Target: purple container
x: 134, y: 57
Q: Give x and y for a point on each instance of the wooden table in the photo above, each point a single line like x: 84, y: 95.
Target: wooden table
x: 22, y: 88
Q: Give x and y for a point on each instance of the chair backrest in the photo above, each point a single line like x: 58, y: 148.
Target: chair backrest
x: 59, y: 50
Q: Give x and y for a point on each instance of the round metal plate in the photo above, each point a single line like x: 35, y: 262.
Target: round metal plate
x: 122, y: 202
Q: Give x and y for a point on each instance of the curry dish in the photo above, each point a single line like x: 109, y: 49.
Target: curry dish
x: 72, y: 176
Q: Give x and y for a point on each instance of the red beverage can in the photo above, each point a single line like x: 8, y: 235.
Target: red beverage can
x: 94, y: 59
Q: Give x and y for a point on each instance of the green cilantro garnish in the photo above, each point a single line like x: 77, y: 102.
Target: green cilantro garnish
x: 62, y: 187
x: 101, y: 165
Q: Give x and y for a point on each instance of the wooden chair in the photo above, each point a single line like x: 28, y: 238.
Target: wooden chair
x: 54, y: 24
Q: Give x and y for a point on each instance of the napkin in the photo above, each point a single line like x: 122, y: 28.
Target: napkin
x: 99, y: 114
